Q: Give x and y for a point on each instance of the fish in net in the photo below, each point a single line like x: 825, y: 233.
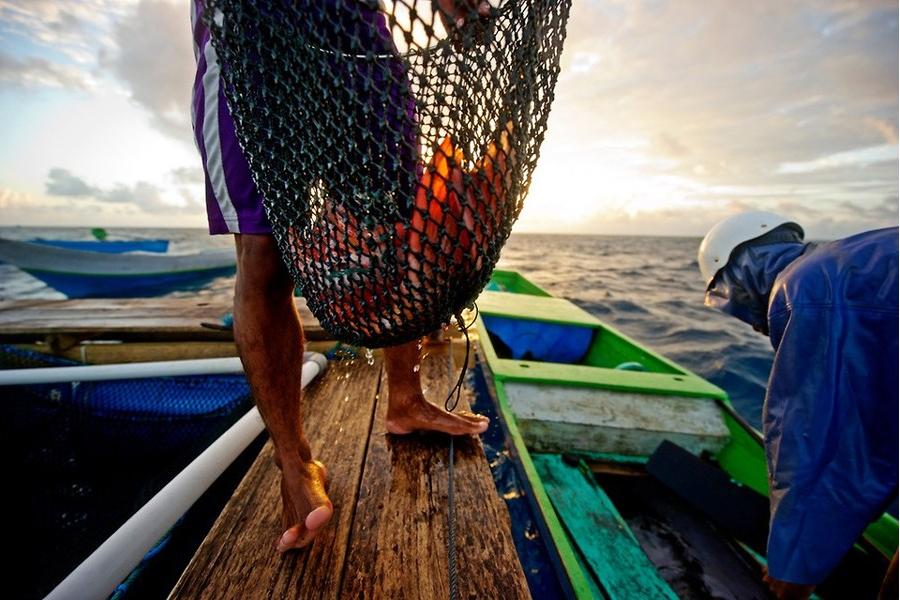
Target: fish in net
x: 393, y: 143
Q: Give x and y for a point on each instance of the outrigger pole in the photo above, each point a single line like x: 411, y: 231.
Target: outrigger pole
x: 100, y: 573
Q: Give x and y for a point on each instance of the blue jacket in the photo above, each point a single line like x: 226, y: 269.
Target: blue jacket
x: 831, y: 410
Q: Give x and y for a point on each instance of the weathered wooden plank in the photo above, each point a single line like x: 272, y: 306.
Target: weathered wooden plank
x: 555, y: 418
x: 399, y: 536
x: 238, y: 559
x: 125, y: 318
x: 602, y: 536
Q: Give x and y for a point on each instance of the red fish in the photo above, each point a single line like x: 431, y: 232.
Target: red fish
x: 438, y: 250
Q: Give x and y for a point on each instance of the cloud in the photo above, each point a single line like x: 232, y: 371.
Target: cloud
x: 859, y: 157
x: 60, y: 182
x: 71, y: 31
x: 147, y: 196
x: 10, y: 199
x: 145, y: 46
x: 142, y: 195
x: 887, y: 130
x: 154, y: 58
x: 187, y: 175
x: 35, y: 71
x: 723, y: 107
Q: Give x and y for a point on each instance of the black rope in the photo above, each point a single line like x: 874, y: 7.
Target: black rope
x: 451, y: 504
x: 457, y: 388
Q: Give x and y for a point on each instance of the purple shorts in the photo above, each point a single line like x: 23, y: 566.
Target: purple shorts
x: 233, y: 203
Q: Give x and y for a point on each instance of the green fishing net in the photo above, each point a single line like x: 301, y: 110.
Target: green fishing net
x: 393, y: 144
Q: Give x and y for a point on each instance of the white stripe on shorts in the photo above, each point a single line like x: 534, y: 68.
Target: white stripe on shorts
x: 211, y: 139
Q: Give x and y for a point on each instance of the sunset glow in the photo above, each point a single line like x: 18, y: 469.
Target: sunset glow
x: 668, y: 116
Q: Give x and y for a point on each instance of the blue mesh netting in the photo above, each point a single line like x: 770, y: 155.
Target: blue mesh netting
x: 85, y: 456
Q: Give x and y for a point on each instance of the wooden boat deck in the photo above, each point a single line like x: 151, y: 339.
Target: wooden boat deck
x: 388, y: 536
x: 63, y: 323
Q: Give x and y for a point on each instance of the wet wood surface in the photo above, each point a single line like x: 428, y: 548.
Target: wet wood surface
x: 387, y: 538
x: 398, y: 545
x: 125, y: 319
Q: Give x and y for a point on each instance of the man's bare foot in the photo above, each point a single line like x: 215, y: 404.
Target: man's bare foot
x: 306, y: 508
x: 417, y: 414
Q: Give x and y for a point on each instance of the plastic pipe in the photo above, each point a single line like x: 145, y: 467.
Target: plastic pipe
x: 100, y: 573
x: 170, y: 368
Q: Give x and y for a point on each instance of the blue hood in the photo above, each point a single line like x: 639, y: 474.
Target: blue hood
x: 741, y: 289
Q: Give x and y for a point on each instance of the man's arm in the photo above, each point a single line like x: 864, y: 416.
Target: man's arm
x: 831, y: 436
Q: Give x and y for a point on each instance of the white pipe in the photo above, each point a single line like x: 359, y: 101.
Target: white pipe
x: 168, y: 368
x: 201, y: 366
x: 100, y: 573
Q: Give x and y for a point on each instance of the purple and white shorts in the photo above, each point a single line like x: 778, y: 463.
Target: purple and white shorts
x: 233, y: 202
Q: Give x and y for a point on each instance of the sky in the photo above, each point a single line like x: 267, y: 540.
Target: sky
x: 669, y: 116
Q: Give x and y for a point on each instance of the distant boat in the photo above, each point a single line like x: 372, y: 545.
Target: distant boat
x: 81, y: 273
x: 109, y: 246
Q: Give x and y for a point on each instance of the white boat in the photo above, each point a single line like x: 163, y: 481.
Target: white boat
x: 86, y: 274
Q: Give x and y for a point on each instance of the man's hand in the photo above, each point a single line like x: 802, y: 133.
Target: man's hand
x: 453, y: 14
x: 784, y: 590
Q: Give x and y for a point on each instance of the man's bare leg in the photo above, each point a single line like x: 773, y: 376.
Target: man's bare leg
x: 269, y: 338
x: 408, y: 410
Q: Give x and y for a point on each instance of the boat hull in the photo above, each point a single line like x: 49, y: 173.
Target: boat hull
x: 111, y: 247
x: 86, y: 274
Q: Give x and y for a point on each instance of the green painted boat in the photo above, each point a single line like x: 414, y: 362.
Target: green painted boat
x: 541, y: 401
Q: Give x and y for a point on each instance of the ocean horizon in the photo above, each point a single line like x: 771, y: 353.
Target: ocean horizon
x: 647, y: 287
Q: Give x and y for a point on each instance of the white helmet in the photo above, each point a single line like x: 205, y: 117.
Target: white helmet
x: 725, y: 236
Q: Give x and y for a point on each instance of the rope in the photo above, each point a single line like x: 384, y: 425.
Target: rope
x: 451, y: 532
x: 451, y: 503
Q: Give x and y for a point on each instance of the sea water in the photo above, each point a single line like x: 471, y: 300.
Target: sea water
x: 647, y: 287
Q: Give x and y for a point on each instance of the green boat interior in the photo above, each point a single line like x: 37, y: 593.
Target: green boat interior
x: 648, y: 482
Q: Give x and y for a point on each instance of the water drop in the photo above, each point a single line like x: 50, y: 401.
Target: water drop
x: 416, y: 368
x: 370, y: 357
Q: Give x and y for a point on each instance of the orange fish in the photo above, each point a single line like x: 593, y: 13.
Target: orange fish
x: 455, y: 216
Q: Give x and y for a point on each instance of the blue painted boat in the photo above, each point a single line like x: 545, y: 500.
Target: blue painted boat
x: 92, y: 274
x: 109, y: 246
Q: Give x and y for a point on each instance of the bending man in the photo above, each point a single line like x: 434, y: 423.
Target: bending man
x: 831, y: 409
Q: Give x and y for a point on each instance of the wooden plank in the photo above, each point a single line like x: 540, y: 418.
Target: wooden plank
x: 398, y: 543
x: 126, y: 318
x: 604, y: 539
x: 238, y: 559
x: 560, y: 419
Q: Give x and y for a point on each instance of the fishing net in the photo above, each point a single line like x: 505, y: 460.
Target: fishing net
x: 84, y: 456
x: 393, y: 144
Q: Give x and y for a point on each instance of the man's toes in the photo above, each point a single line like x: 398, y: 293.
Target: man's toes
x: 473, y: 417
x: 318, y: 517
x: 289, y: 539
x: 480, y: 422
